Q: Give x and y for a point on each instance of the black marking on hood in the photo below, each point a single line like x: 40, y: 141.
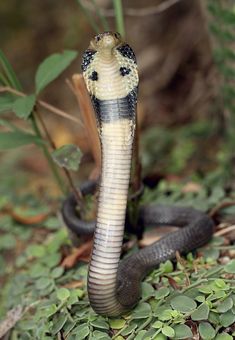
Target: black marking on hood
x: 94, y: 76
x: 87, y: 58
x: 127, y: 52
x: 124, y: 71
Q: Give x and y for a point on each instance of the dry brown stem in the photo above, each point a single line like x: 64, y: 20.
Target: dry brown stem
x: 88, y: 117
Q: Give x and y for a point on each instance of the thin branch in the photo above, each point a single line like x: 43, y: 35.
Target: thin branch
x: 225, y: 231
x: 135, y: 12
x: 71, y: 87
x: 136, y: 185
x: 42, y: 103
x: 220, y: 206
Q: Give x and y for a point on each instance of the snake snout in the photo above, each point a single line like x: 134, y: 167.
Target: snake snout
x: 106, y: 41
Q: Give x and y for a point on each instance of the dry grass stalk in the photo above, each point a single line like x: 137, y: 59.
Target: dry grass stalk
x: 88, y: 117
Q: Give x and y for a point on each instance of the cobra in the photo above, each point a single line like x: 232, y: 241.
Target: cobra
x: 110, y: 72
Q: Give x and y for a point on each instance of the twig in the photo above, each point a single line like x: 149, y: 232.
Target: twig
x: 219, y: 207
x: 134, y: 12
x: 76, y: 191
x: 136, y: 161
x: 42, y: 103
x: 88, y: 117
x: 12, y: 317
x: 70, y: 85
x: 225, y: 231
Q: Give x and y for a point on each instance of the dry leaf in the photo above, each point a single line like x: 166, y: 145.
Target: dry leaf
x: 82, y: 253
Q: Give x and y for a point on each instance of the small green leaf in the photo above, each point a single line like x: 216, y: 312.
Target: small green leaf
x: 7, y: 241
x: 206, y: 331
x: 214, y: 318
x: 6, y: 102
x: 14, y: 139
x: 57, y: 272
x: 52, y: 223
x: 140, y: 335
x: 227, y: 319
x: 224, y: 336
x: 167, y: 267
x: 205, y: 289
x: 43, y: 283
x: 129, y: 329
x: 182, y: 332
x: 161, y: 293
x: 230, y: 267
x: 81, y: 331
x: 52, y: 67
x: 147, y: 290
x: 219, y: 283
x: 35, y: 250
x: 201, y: 313
x: 52, y: 260
x: 183, y: 304
x: 63, y: 294
x: 100, y: 323
x: 59, y: 323
x: 98, y: 335
x: 211, y: 253
x: 38, y: 270
x: 27, y: 324
x: 68, y: 156
x: 159, y: 337
x: 225, y: 305
x: 117, y: 323
x: 49, y: 311
x: 142, y: 311
x: 23, y: 106
x: 168, y: 331
x: 200, y: 298
x: 157, y: 324
x: 165, y: 315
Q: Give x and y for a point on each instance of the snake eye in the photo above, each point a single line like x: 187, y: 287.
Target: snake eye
x: 94, y: 76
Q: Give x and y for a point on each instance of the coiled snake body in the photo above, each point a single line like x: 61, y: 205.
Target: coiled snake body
x: 110, y: 72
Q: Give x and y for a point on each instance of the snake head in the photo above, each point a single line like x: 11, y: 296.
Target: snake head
x: 106, y: 41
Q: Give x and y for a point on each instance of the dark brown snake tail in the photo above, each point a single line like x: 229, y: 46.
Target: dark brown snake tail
x: 110, y: 72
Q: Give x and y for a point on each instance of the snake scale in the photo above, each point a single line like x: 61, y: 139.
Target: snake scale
x: 110, y: 72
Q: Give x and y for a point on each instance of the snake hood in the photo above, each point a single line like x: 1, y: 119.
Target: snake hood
x: 109, y: 67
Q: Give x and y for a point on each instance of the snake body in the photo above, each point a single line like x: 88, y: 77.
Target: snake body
x: 110, y: 72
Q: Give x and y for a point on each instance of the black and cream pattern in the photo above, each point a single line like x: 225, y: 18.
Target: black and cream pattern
x: 111, y: 76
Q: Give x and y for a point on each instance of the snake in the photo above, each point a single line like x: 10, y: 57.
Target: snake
x: 110, y: 72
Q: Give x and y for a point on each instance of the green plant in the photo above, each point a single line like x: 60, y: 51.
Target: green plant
x: 25, y: 107
x: 222, y: 28
x: 199, y: 289
x: 89, y: 9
